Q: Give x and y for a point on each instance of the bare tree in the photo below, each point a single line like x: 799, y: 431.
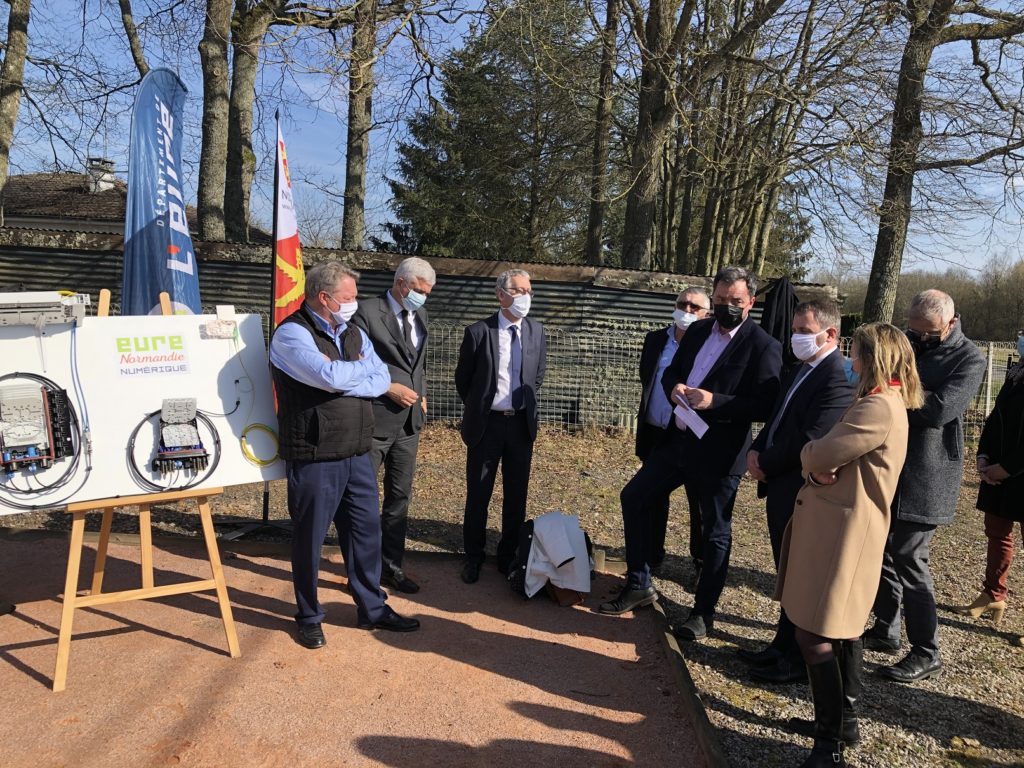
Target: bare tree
x: 213, y: 53
x: 594, y: 250
x: 360, y: 121
x: 11, y: 75
x: 931, y: 25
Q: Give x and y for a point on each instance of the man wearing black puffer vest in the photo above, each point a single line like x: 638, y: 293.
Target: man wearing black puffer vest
x: 325, y: 373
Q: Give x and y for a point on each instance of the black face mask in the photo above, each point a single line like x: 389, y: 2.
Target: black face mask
x: 919, y: 345
x: 728, y: 316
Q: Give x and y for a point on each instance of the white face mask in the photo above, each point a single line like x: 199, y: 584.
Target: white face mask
x: 805, y: 345
x: 520, y: 304
x: 683, y: 320
x: 344, y: 311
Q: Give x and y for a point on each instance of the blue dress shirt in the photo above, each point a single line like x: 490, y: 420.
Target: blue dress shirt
x: 293, y: 351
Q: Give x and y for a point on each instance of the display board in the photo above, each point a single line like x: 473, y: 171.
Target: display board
x: 82, y: 413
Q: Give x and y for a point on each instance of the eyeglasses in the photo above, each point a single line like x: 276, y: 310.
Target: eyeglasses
x: 925, y: 337
x: 689, y: 306
x: 518, y: 291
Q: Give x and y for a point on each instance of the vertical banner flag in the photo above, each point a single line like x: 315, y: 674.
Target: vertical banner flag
x: 289, y: 278
x: 158, y: 254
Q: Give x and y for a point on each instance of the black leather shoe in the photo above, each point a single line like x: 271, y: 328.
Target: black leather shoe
x: 7, y: 608
x: 765, y: 657
x: 392, y: 622
x: 399, y: 581
x: 312, y: 636
x: 629, y: 599
x: 471, y: 572
x: 873, y: 642
x: 782, y: 672
x: 913, y: 667
x: 694, y: 628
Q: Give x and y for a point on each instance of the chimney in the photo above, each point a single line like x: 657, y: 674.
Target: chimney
x: 101, y: 174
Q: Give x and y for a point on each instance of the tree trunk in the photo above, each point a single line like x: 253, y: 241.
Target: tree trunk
x: 11, y: 74
x: 132, y: 33
x: 594, y: 250
x: 213, y: 54
x: 652, y: 130
x: 685, y: 261
x: 250, y: 26
x: 895, y: 210
x: 360, y: 121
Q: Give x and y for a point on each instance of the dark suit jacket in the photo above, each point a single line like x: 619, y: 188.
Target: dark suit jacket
x: 385, y: 331
x: 744, y: 382
x: 654, y: 344
x: 476, y: 378
x: 823, y: 396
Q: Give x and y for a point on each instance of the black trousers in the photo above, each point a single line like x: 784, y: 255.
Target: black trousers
x: 659, y: 508
x: 506, y: 441
x: 778, y: 506
x: 397, y: 453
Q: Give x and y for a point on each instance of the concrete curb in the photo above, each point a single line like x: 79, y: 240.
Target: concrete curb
x: 707, y: 735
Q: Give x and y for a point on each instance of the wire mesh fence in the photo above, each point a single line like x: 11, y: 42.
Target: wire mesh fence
x: 591, y: 378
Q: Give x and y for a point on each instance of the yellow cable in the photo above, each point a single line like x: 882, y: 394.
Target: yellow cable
x: 247, y: 451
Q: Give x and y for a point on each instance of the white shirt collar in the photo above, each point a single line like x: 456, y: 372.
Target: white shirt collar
x: 504, y: 323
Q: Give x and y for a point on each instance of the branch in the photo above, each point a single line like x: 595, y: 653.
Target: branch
x: 966, y: 162
x: 997, y: 30
x: 132, y: 32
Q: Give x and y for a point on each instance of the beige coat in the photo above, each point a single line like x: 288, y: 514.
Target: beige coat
x: 831, y: 557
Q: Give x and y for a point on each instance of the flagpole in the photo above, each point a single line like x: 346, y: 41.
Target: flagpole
x: 266, y: 522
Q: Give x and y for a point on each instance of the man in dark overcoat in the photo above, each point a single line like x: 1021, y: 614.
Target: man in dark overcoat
x: 951, y: 369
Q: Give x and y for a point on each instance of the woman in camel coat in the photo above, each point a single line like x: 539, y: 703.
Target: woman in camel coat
x: 831, y: 556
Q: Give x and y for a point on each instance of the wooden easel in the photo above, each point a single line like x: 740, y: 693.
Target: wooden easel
x: 149, y: 590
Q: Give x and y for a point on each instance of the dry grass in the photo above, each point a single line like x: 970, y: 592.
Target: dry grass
x: 973, y: 715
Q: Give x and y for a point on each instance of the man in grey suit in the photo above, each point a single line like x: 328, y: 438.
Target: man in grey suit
x: 396, y: 323
x: 951, y: 369
x: 500, y: 370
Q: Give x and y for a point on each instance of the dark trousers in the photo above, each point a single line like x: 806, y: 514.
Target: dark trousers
x: 343, y: 492
x: 506, y: 440
x: 398, y: 455
x: 663, y: 472
x: 906, y: 579
x: 660, y: 507
x: 778, y: 507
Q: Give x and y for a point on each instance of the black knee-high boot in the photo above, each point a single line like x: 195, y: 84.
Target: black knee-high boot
x: 851, y: 664
x: 850, y: 654
x: 827, y: 692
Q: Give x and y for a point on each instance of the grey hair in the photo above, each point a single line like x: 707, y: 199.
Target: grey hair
x: 824, y: 311
x: 933, y: 303
x: 697, y: 290
x: 325, y: 276
x: 730, y: 275
x: 415, y: 268
x: 506, y: 277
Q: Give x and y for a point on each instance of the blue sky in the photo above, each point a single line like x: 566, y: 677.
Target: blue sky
x: 315, y: 136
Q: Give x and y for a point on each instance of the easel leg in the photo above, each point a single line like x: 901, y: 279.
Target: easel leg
x: 146, y: 545
x: 218, y: 576
x: 101, y: 551
x: 67, y: 616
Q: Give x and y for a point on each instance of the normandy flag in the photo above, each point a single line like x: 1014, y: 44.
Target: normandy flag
x: 289, y: 281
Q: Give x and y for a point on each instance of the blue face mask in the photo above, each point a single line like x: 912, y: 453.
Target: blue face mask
x: 1020, y: 346
x: 851, y: 375
x: 414, y: 300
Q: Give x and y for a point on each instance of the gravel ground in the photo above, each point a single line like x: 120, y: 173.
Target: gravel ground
x: 973, y: 715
